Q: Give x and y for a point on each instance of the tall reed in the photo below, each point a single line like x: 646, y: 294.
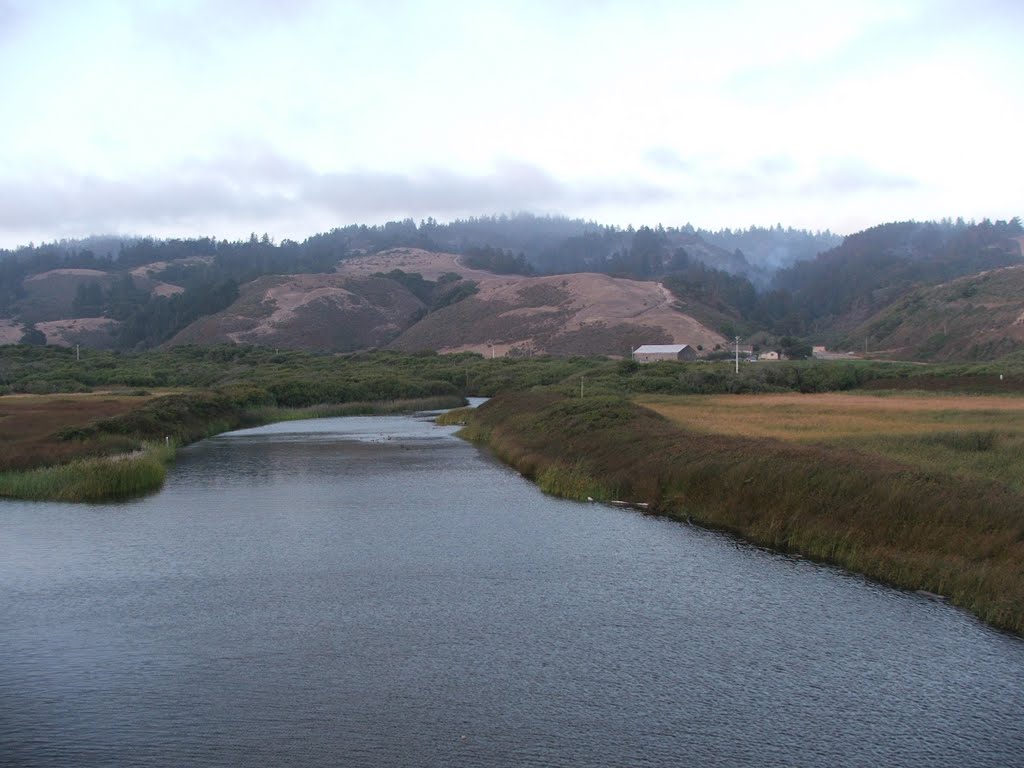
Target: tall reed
x: 91, y: 480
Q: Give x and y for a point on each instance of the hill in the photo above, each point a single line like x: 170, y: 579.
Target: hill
x: 520, y: 284
x: 311, y: 312
x: 414, y: 300
x: 577, y: 314
x: 569, y: 314
x: 977, y: 317
x: 843, y: 287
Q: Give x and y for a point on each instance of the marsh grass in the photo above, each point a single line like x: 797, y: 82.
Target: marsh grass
x: 955, y: 534
x: 573, y: 481
x: 91, y: 480
x: 454, y: 417
x: 268, y: 414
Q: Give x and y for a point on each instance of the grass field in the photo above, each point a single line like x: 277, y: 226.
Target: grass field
x: 29, y: 424
x: 972, y: 436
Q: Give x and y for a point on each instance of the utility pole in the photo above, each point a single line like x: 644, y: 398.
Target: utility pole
x: 78, y: 354
x: 581, y: 387
x: 737, y: 354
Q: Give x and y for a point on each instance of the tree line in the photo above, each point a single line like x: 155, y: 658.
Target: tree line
x: 864, y: 273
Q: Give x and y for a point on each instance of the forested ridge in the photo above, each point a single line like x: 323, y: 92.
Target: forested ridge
x: 728, y: 279
x: 871, y: 269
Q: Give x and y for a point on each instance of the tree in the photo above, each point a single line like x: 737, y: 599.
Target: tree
x: 647, y: 252
x: 794, y: 348
x: 88, y: 300
x: 32, y: 336
x: 123, y: 298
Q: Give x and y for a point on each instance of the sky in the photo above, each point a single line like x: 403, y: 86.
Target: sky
x: 178, y: 118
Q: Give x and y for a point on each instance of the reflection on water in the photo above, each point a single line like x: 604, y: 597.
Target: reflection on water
x: 373, y: 591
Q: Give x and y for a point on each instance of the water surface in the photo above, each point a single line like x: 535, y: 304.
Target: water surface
x: 374, y: 591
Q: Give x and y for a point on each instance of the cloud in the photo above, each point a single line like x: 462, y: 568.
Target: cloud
x: 511, y: 186
x: 850, y: 176
x: 188, y: 28
x: 776, y: 165
x: 12, y: 16
x: 92, y: 204
x: 666, y: 158
x: 250, y: 183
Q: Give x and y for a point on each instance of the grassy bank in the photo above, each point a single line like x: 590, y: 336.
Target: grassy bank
x: 95, y: 448
x: 90, y: 480
x: 266, y: 415
x: 958, y: 535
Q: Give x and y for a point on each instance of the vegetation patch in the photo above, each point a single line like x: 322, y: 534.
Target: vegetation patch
x: 912, y: 525
x: 92, y: 480
x: 572, y: 481
x: 28, y: 427
x: 270, y: 414
x: 977, y: 437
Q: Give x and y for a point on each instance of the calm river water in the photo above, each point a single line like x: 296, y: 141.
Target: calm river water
x: 376, y: 592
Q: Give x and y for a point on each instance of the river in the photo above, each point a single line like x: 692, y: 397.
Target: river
x: 376, y: 592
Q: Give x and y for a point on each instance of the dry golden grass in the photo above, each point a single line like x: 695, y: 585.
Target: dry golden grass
x: 970, y: 436
x: 833, y: 416
x: 29, y: 423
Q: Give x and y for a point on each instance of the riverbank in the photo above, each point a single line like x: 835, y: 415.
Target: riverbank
x: 69, y: 457
x: 956, y: 536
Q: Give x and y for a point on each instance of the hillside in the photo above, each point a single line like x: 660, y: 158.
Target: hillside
x: 414, y: 300
x: 312, y: 312
x: 578, y: 314
x: 508, y: 284
x: 978, y: 317
x: 845, y: 286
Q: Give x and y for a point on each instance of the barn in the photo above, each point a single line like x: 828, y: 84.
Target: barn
x: 652, y: 353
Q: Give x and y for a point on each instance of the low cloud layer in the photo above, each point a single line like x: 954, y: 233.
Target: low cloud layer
x: 252, y: 187
x: 222, y: 116
x: 268, y: 187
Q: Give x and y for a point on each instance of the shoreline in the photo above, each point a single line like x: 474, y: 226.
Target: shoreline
x: 958, y: 538
x: 143, y: 469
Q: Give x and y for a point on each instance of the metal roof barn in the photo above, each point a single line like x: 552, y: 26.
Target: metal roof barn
x: 652, y: 353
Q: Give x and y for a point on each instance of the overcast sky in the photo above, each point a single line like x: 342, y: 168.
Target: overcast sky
x: 222, y: 117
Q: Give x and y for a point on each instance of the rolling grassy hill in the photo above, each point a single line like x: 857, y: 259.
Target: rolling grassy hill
x: 977, y: 317
x: 916, y: 290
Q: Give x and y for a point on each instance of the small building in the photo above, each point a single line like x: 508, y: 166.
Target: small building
x: 769, y: 355
x: 652, y: 353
